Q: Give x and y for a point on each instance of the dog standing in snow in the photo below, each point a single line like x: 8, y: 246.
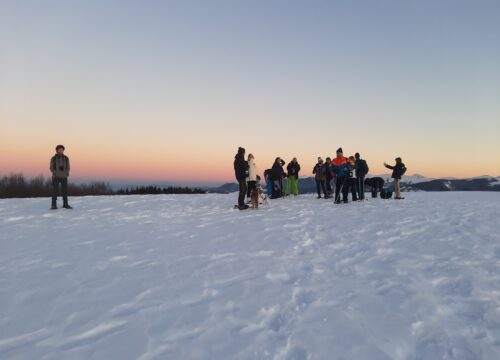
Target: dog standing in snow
x: 254, y: 198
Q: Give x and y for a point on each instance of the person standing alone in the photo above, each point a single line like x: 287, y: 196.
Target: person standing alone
x: 241, y: 173
x: 59, y: 167
x: 398, y: 171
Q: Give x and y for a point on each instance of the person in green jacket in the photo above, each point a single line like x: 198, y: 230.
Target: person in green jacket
x: 292, y: 183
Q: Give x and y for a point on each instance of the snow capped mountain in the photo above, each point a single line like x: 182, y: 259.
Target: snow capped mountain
x: 410, y: 179
x: 414, y: 182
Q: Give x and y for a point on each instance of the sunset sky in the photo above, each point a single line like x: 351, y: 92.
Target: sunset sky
x: 168, y: 90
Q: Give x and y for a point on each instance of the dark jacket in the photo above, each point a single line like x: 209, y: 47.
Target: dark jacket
x: 267, y: 174
x: 328, y: 171
x: 398, y: 170
x: 240, y: 167
x: 319, y: 172
x: 277, y: 172
x: 293, y: 169
x: 59, y: 166
x: 361, y: 168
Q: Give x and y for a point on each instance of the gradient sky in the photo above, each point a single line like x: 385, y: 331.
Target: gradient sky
x: 167, y: 90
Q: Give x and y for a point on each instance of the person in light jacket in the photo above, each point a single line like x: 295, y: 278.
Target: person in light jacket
x: 252, y: 175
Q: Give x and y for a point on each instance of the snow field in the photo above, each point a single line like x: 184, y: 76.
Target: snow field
x: 188, y: 277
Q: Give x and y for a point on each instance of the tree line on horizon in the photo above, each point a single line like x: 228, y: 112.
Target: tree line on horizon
x: 15, y: 185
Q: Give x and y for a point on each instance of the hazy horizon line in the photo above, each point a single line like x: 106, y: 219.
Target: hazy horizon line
x: 165, y: 182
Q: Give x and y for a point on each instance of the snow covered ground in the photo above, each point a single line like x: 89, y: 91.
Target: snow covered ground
x: 188, y: 277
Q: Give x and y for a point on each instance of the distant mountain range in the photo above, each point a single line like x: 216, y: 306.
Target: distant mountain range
x: 409, y: 183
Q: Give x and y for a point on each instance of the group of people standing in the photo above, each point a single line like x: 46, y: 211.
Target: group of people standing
x: 347, y: 173
x: 247, y: 176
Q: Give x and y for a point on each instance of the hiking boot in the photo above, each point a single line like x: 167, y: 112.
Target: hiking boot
x: 66, y: 206
x: 53, y: 207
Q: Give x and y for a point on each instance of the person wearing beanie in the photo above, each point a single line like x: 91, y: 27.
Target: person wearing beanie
x: 340, y: 169
x: 292, y: 183
x: 361, y: 170
x: 398, y: 171
x: 320, y: 178
x: 59, y: 167
x: 252, y: 175
x: 241, y: 173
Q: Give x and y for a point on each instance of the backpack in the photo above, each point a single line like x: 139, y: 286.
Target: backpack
x: 385, y: 194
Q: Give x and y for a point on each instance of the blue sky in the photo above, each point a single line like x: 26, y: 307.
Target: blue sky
x: 188, y: 79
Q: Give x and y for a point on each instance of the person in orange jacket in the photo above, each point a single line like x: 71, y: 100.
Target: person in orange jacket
x: 340, y: 168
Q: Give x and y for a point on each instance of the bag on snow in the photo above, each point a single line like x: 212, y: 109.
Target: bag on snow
x: 385, y: 194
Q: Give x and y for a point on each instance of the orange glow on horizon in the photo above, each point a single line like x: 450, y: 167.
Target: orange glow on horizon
x: 211, y: 169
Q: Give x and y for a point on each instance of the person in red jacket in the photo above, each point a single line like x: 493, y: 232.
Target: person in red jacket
x: 340, y: 169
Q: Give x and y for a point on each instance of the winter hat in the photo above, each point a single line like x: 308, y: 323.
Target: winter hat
x: 241, y: 150
x: 60, y: 147
x: 339, y: 150
x: 357, y: 155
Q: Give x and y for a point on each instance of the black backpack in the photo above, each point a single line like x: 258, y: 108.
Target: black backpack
x: 385, y: 194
